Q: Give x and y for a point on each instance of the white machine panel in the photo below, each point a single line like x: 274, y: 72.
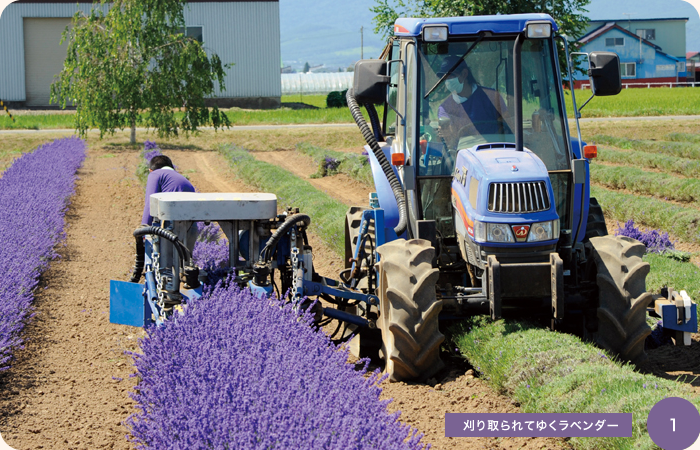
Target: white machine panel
x: 213, y: 206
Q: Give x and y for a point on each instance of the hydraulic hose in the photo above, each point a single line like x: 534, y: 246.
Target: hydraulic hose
x: 268, y: 250
x: 374, y: 121
x: 381, y: 158
x: 140, y: 261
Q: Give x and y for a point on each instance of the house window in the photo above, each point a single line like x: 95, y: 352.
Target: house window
x: 193, y: 32
x: 614, y: 42
x: 628, y: 70
x: 647, y: 33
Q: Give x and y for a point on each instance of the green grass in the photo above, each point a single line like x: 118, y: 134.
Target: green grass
x: 670, y: 164
x: 549, y: 372
x: 318, y: 101
x: 327, y: 214
x: 683, y: 137
x: 659, y: 185
x: 667, y: 271
x: 677, y: 149
x: 638, y: 102
x: 354, y: 165
x: 683, y: 223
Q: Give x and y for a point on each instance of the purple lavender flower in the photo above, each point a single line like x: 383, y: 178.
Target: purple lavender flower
x: 331, y: 163
x: 655, y: 241
x: 150, y: 150
x: 33, y: 201
x: 255, y: 375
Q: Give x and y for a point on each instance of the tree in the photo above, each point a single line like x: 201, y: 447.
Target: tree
x: 133, y: 64
x: 568, y: 14
x: 306, y: 67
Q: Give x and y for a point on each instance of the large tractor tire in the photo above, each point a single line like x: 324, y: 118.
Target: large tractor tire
x: 408, y: 310
x: 595, y: 226
x: 623, y: 299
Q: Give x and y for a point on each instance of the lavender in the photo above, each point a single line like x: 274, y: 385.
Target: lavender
x: 211, y: 249
x: 34, y: 196
x: 150, y: 150
x: 235, y: 371
x: 654, y: 241
x: 330, y: 164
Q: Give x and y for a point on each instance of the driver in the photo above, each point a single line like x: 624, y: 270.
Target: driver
x: 470, y: 109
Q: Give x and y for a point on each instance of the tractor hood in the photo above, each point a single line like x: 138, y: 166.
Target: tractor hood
x: 504, y: 164
x: 494, y: 183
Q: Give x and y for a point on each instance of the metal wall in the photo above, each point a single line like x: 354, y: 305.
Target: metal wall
x: 246, y: 34
x: 670, y: 33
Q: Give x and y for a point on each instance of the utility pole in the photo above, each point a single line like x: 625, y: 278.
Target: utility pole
x: 362, y: 42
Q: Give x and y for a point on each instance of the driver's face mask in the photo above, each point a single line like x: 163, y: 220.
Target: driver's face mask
x: 453, y: 84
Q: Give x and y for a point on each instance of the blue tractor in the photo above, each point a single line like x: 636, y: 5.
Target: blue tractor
x: 482, y: 206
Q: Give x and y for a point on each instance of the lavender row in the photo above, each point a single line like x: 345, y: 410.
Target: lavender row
x: 34, y: 196
x: 235, y: 371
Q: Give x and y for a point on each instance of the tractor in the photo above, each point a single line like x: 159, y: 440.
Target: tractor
x: 483, y: 213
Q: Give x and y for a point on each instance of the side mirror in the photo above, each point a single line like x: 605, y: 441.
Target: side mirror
x: 370, y: 81
x: 604, y: 73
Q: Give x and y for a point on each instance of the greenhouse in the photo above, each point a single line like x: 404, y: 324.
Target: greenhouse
x: 315, y: 83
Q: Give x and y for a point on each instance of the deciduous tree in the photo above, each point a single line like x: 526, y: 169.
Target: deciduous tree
x: 129, y: 62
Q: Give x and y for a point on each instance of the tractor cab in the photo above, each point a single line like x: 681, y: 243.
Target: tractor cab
x: 453, y: 89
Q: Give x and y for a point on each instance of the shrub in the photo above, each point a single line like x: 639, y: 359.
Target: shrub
x: 34, y: 193
x: 255, y: 375
x: 337, y: 99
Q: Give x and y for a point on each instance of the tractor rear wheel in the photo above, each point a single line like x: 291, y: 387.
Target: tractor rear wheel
x: 596, y: 220
x: 408, y: 310
x: 623, y: 299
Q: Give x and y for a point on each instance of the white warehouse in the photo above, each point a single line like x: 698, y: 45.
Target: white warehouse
x: 243, y: 32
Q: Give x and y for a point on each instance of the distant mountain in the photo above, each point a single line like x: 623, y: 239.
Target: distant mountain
x: 328, y: 31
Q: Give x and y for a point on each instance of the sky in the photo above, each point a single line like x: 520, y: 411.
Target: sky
x: 328, y: 32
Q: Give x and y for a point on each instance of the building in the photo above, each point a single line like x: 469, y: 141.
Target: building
x: 650, y: 50
x: 245, y: 33
x: 693, y: 66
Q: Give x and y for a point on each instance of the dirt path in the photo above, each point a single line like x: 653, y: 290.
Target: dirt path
x: 340, y: 186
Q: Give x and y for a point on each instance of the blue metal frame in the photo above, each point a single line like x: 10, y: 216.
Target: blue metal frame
x: 670, y: 318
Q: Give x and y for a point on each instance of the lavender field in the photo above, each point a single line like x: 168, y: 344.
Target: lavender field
x: 34, y: 196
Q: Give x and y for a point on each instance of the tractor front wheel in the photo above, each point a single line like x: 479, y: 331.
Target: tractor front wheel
x: 408, y: 310
x: 623, y: 299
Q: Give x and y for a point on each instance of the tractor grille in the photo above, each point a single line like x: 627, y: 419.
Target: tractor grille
x: 518, y: 197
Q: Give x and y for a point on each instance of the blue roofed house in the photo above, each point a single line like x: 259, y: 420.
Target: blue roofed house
x: 650, y: 50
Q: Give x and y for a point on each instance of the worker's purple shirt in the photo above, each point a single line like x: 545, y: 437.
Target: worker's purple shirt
x: 483, y: 108
x: 163, y: 180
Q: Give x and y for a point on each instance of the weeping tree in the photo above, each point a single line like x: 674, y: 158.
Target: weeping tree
x: 130, y: 62
x: 568, y: 14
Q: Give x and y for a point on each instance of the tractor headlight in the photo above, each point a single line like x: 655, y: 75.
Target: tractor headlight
x: 544, y: 231
x: 492, y: 232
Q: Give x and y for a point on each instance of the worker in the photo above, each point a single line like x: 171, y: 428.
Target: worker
x: 470, y: 109
x: 162, y: 177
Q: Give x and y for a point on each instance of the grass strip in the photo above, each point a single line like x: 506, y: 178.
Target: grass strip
x: 683, y: 137
x: 679, y: 149
x: 327, y: 214
x: 682, y: 166
x: 548, y: 372
x: 353, y: 165
x: 668, y: 271
x: 681, y: 222
x: 638, y: 102
x: 659, y: 185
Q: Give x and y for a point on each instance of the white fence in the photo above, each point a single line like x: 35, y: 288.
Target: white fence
x: 650, y: 85
x: 315, y: 83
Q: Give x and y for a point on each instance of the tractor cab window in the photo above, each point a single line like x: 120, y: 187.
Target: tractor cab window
x: 467, y: 99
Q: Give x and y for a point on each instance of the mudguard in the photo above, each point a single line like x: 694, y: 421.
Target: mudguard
x: 577, y: 197
x: 387, y: 200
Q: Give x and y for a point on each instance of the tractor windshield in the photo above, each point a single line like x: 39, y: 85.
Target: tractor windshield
x: 468, y: 100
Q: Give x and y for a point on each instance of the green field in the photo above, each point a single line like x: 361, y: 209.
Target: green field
x: 629, y: 103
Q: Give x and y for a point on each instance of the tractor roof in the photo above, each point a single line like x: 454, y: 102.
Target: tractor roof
x: 501, y: 24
